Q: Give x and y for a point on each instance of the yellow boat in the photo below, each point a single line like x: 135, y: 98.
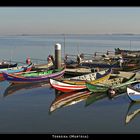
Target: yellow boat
x: 96, y: 77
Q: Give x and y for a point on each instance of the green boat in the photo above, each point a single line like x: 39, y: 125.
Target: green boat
x: 118, y: 84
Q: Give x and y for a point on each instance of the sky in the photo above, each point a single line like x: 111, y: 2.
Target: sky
x: 69, y: 20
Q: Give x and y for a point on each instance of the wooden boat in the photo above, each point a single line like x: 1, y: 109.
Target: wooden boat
x: 132, y: 112
x: 98, y: 76
x: 33, y: 77
x: 14, y: 88
x: 78, y: 84
x: 101, y: 64
x: 118, y: 84
x: 133, y: 91
x: 121, y: 51
x: 7, y: 65
x: 77, y: 71
x: 37, y: 67
x: 67, y: 99
x: 131, y: 64
x: 17, y: 69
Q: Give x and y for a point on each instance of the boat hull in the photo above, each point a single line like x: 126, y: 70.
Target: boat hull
x: 17, y: 79
x: 133, y: 93
x: 74, y: 84
x: 118, y: 85
x: 65, y: 87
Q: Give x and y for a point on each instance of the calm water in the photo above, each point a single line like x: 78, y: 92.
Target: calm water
x: 27, y: 109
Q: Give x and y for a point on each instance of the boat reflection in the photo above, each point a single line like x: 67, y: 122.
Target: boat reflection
x: 67, y: 99
x: 95, y: 97
x: 132, y: 112
x: 13, y: 88
x: 98, y: 96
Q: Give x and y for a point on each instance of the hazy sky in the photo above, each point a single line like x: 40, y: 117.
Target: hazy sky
x: 85, y: 20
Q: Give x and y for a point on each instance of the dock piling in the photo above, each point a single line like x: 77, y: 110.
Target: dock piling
x: 57, y: 55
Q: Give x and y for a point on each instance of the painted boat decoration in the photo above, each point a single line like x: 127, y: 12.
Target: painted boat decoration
x: 14, y: 88
x: 17, y: 69
x: 69, y: 85
x: 133, y: 91
x: 65, y: 87
x: 132, y: 112
x: 92, y: 77
x: 33, y: 77
x: 67, y: 99
x: 118, y: 85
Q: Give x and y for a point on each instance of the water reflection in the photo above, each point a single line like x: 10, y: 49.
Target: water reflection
x: 95, y: 97
x: 67, y: 99
x: 13, y: 88
x: 132, y: 112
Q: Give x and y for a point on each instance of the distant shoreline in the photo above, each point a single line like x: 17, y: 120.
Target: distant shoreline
x: 130, y: 34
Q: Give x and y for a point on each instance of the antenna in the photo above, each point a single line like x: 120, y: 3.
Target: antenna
x: 11, y: 54
x: 64, y: 44
x: 130, y: 44
x: 78, y: 48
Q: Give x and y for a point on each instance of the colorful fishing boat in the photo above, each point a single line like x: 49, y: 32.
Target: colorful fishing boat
x: 94, y: 77
x: 35, y: 76
x: 133, y: 91
x: 17, y: 69
x: 74, y: 84
x: 132, y: 112
x: 67, y: 99
x: 118, y: 85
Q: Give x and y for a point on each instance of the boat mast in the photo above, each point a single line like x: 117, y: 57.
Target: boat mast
x: 64, y: 45
x: 130, y: 44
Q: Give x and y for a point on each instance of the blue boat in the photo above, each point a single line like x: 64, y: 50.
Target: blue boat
x: 17, y: 69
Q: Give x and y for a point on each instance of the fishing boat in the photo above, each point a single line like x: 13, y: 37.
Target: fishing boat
x: 74, y: 84
x: 131, y: 64
x: 101, y: 64
x: 4, y: 64
x: 122, y: 51
x: 78, y: 71
x: 67, y: 99
x: 35, y: 76
x: 99, y: 76
x: 133, y: 91
x: 37, y: 67
x: 17, y: 69
x: 132, y: 112
x: 14, y: 88
x: 116, y: 85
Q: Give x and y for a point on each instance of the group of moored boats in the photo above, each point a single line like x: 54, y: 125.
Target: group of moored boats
x: 100, y: 80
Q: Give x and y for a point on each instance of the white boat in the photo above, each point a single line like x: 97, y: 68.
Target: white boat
x: 133, y: 91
